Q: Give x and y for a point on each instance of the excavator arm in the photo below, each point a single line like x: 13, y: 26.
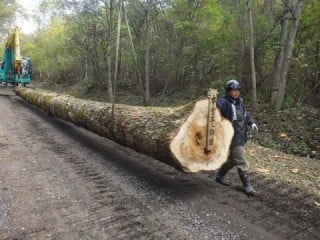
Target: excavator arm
x: 13, y: 44
x: 15, y: 68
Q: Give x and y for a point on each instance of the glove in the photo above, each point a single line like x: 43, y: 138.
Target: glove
x: 254, y: 127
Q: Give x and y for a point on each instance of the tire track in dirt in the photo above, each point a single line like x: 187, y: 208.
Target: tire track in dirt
x: 34, y: 205
x: 114, y: 211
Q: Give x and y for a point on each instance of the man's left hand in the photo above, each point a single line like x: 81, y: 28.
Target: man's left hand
x: 254, y: 127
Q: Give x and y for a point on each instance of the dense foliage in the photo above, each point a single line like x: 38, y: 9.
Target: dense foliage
x: 8, y: 11
x: 167, y: 47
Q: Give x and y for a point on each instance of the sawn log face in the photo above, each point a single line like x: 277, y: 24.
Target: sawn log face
x: 175, y: 136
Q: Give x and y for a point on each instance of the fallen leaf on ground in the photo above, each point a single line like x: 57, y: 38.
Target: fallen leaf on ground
x: 263, y: 170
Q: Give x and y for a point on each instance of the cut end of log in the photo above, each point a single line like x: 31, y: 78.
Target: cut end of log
x: 189, y: 145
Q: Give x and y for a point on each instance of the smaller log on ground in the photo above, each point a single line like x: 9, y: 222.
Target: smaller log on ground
x: 176, y: 136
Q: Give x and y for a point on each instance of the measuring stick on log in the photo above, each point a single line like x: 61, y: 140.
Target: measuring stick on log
x: 212, y: 97
x: 174, y: 135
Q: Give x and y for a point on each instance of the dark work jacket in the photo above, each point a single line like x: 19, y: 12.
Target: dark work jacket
x: 235, y: 111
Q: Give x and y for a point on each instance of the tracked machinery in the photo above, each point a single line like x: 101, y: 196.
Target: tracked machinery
x: 15, y: 69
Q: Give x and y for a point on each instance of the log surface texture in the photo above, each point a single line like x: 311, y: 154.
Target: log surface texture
x: 173, y: 135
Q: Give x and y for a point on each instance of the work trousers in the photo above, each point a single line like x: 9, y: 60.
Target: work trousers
x: 237, y: 158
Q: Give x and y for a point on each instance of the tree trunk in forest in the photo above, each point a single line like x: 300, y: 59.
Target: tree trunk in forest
x: 134, y: 54
x: 176, y: 136
x: 117, y: 62
x: 95, y: 59
x: 279, y: 58
x: 252, y: 61
x: 86, y: 67
x: 147, y: 54
x: 296, y: 11
x: 109, y: 48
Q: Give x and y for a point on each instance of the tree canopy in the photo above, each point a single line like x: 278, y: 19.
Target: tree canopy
x: 8, y: 10
x: 177, y: 47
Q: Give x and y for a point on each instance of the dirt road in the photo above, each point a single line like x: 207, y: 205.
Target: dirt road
x: 58, y: 181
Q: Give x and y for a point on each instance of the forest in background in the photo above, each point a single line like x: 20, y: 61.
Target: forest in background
x: 163, y: 47
x: 154, y: 52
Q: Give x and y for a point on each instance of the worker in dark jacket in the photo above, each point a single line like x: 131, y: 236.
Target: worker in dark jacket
x: 232, y: 107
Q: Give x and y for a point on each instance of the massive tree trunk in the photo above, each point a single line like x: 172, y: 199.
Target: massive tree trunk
x: 176, y: 136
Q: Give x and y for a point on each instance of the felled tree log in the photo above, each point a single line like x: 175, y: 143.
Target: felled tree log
x: 173, y: 135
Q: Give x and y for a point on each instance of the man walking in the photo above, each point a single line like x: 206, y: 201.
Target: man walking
x: 232, y: 107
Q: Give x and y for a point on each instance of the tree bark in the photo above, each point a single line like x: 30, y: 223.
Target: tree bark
x: 134, y: 54
x: 147, y: 53
x: 288, y: 53
x: 252, y: 61
x: 109, y: 47
x: 279, y: 58
x: 282, y: 62
x: 173, y: 135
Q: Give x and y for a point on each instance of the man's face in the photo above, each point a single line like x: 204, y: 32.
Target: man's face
x: 234, y: 93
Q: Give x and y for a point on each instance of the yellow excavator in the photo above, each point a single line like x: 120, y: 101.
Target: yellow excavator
x: 15, y: 69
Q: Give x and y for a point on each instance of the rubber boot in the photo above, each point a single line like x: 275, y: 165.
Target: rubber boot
x: 220, y: 178
x: 244, y: 176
